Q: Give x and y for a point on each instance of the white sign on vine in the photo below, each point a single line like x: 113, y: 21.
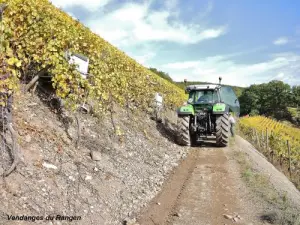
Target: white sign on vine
x: 82, y: 63
x: 158, y: 99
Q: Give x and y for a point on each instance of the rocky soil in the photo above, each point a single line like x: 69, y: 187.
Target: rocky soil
x: 127, y: 170
x: 120, y: 165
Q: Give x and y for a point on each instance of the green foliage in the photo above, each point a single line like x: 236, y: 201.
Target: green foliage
x: 41, y: 36
x: 249, y: 100
x: 237, y: 90
x: 296, y: 96
x: 254, y: 112
x: 9, y: 64
x: 271, y: 99
x: 294, y: 114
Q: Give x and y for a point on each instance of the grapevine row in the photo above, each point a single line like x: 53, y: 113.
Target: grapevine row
x: 279, y: 134
x: 36, y: 36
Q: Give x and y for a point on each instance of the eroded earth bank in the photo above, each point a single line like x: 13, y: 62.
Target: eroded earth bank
x: 127, y: 170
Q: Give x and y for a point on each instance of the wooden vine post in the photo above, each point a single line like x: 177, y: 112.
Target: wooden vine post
x: 289, y: 157
x: 267, y: 141
x: 271, y: 151
x: 77, y: 143
x: 257, y: 138
x: 262, y: 140
x: 36, y: 78
x: 111, y: 103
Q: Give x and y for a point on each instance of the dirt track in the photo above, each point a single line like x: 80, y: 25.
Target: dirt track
x: 206, y: 188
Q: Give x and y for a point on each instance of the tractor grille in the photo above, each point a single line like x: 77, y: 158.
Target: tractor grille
x: 198, y: 108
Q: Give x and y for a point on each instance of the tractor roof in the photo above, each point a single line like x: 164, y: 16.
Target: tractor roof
x: 202, y: 87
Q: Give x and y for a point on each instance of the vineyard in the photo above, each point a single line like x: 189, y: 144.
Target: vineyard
x: 276, y: 140
x: 35, y: 35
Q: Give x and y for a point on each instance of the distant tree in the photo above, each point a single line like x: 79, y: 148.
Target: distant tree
x: 270, y: 99
x: 254, y: 112
x: 278, y: 96
x: 238, y: 91
x: 295, y: 99
x: 250, y: 100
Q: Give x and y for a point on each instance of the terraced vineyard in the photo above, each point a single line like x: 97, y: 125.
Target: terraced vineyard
x: 36, y: 36
x: 277, y: 141
x: 279, y: 134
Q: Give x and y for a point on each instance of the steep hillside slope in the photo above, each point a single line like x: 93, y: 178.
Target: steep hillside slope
x: 123, y: 156
x: 107, y: 179
x: 37, y: 36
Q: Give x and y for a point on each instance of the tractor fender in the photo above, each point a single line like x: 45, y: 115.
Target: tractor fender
x: 185, y: 110
x: 220, y: 109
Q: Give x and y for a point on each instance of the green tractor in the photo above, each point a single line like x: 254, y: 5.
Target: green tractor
x: 206, y: 113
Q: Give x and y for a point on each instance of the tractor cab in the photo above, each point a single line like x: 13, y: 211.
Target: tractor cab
x: 203, y: 97
x: 206, y: 96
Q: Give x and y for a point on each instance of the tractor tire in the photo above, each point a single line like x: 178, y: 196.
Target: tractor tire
x: 183, y: 136
x: 222, y: 130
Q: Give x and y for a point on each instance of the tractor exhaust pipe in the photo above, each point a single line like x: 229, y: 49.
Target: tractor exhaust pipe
x: 220, y: 79
x: 185, y: 82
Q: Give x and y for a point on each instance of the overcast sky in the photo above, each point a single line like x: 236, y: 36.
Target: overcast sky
x: 245, y: 42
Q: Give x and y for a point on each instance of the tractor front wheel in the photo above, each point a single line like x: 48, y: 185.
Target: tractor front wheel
x: 183, y: 136
x: 222, y: 130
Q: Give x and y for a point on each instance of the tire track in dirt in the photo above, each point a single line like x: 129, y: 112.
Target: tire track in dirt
x: 202, y: 190
x: 162, y: 206
x: 210, y: 194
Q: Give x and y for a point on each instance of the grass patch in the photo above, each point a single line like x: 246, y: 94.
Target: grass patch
x: 284, y: 213
x: 247, y: 174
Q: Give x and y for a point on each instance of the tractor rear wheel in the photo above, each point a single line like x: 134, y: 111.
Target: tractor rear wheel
x: 183, y: 136
x: 222, y: 130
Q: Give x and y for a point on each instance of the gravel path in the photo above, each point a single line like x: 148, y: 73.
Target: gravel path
x: 207, y: 188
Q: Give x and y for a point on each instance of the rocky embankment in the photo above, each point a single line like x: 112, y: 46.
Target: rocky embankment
x: 120, y: 165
